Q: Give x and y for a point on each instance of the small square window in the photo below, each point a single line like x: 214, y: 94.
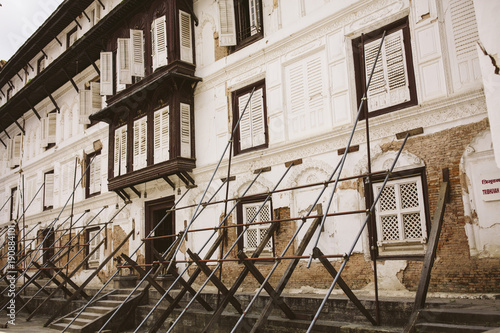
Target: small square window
x: 250, y: 213
x: 251, y: 132
x: 401, y: 216
x: 392, y: 86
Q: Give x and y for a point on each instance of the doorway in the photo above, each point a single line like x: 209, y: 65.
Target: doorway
x: 156, y: 210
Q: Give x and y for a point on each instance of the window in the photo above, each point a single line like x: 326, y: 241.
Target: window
x: 106, y: 61
x: 393, y: 82
x: 120, y: 151
x: 40, y: 65
x: 48, y: 190
x: 240, y: 22
x: 13, y: 204
x: 90, y: 102
x: 14, y: 151
x: 93, y: 175
x: 71, y: 37
x: 161, y: 135
x: 95, y: 14
x: 185, y: 127
x: 159, y: 43
x: 185, y: 37
x: 306, y: 95
x: 251, y: 212
x: 252, y: 130
x: 92, y: 239
x: 140, y: 143
x: 401, y: 216
x: 47, y: 237
x: 49, y: 124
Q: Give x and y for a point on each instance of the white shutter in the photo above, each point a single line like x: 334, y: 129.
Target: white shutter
x: 15, y: 151
x: 185, y: 130
x: 85, y: 106
x: 94, y: 238
x: 389, y: 85
x: 49, y: 190
x: 227, y: 24
x: 97, y: 13
x: 106, y: 73
x: 252, y: 125
x: 66, y: 179
x: 161, y: 135
x: 95, y: 175
x: 51, y: 127
x: 306, y: 95
x: 96, y: 97
x: 123, y: 61
x: 159, y: 36
x: 185, y: 37
x: 120, y: 154
x: 140, y: 143
x: 253, y: 5
x: 137, y: 52
x: 44, y: 122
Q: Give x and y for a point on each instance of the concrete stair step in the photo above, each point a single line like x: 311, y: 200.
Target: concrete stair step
x: 460, y: 316
x: 72, y: 329
x: 449, y: 328
x: 99, y: 309
x: 109, y: 303
x: 79, y: 321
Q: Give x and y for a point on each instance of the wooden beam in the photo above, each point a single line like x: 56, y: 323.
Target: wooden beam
x: 71, y: 80
x: 60, y: 44
x: 33, y: 109
x: 333, y: 272
x: 169, y: 182
x: 135, y: 191
x: 430, y: 255
x: 86, y: 282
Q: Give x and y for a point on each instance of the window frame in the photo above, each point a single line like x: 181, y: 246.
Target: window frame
x: 88, y: 173
x: 361, y: 75
x: 240, y: 221
x: 48, y: 207
x: 414, y: 247
x: 235, y: 106
x: 92, y: 264
x: 13, y: 202
x: 69, y: 35
x: 238, y: 12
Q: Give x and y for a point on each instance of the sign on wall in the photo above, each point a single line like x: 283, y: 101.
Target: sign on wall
x: 490, y: 186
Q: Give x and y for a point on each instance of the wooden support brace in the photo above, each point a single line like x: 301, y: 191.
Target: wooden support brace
x: 266, y: 311
x: 135, y: 191
x: 57, y: 39
x: 188, y: 177
x: 430, y: 255
x: 101, y: 4
x: 88, y: 18
x: 19, y: 76
x: 239, y: 280
x: 182, y: 281
x: 3, y: 143
x: 71, y: 80
x: 53, y: 101
x: 69, y: 281
x: 215, y: 280
x: 260, y: 278
x: 33, y: 109
x: 143, y: 274
x: 181, y: 177
x: 83, y: 262
x: 51, y: 276
x: 164, y: 315
x: 18, y: 125
x: 93, y: 63
x: 86, y: 282
x: 333, y: 272
x: 169, y: 182
x: 78, y: 23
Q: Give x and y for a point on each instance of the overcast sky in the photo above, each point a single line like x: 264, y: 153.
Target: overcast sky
x: 19, y: 19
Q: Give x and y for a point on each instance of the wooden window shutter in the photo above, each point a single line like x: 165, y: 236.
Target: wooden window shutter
x: 97, y: 13
x: 48, y: 199
x: 124, y: 61
x: 389, y: 85
x: 185, y: 37
x: 95, y: 175
x: 227, y: 23
x: 96, y: 97
x: 185, y: 130
x: 140, y: 143
x: 254, y: 16
x: 137, y: 53
x: 14, y: 151
x: 106, y: 73
x: 51, y: 128
x: 120, y: 154
x: 161, y: 135
x: 44, y: 122
x: 159, y: 42
x: 252, y: 125
x: 85, y: 105
x: 67, y: 179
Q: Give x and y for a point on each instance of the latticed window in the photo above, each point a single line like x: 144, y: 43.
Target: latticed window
x: 252, y: 213
x: 400, y: 211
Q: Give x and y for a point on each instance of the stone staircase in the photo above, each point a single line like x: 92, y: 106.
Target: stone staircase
x: 92, y: 319
x: 444, y: 320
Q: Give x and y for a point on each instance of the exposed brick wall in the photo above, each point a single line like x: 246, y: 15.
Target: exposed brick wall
x: 454, y: 269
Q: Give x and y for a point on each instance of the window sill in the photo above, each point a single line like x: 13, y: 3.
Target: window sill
x: 402, y: 249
